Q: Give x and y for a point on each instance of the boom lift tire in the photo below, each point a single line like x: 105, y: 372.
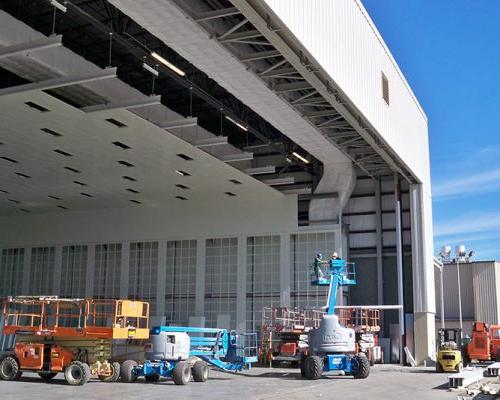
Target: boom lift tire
x: 127, y: 371
x: 313, y: 367
x: 47, y: 376
x: 182, y: 373
x: 77, y: 373
x: 200, y: 371
x: 115, y: 374
x: 152, y: 378
x: 9, y: 369
x: 360, y: 366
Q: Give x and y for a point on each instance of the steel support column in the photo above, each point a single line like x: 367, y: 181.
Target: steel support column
x: 380, y: 243
x: 162, y: 279
x: 125, y: 266
x: 285, y: 280
x: 57, y: 271
x: 201, y: 246
x: 241, y: 285
x: 90, y: 271
x: 399, y: 259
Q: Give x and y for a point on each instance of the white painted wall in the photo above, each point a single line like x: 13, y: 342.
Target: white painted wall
x: 345, y: 42
x: 175, y: 220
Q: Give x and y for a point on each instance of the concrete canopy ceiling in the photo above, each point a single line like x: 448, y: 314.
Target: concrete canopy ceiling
x: 88, y: 138
x: 87, y: 170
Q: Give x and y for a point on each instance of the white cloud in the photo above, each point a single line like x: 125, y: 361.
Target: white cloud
x: 461, y: 186
x: 466, y: 224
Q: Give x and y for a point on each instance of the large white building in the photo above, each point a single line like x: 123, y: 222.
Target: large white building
x: 199, y: 153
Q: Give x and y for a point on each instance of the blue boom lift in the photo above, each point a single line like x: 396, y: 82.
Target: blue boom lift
x: 332, y: 347
x: 181, y: 352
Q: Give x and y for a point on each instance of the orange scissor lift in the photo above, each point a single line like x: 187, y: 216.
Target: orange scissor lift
x: 284, y: 334
x: 366, y: 324
x: 284, y: 331
x: 71, y: 336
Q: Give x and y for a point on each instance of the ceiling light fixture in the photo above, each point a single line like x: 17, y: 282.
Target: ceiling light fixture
x: 178, y: 71
x: 58, y: 5
x: 182, y: 173
x: 237, y: 123
x: 149, y: 68
x: 301, y: 158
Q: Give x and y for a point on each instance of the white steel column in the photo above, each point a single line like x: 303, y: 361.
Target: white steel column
x: 424, y: 303
x: 380, y: 243
x: 201, y: 250
x: 90, y: 272
x: 26, y: 271
x: 57, y: 271
x: 399, y: 264
x: 162, y: 278
x: 125, y: 266
x: 241, y: 285
x: 399, y: 260
x: 285, y: 270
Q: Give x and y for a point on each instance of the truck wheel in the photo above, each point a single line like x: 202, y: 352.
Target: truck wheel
x: 313, y: 367
x: 77, y: 373
x: 9, y: 369
x: 182, y: 373
x: 360, y: 366
x: 152, y: 378
x: 302, y: 370
x: 459, y: 367
x: 115, y: 373
x: 127, y: 371
x: 200, y: 371
x: 47, y: 376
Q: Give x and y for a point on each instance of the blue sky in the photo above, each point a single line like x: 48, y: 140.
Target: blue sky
x: 449, y: 51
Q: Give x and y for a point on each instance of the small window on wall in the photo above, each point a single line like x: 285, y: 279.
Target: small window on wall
x: 385, y: 88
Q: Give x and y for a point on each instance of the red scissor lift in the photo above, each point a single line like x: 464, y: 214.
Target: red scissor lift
x: 366, y: 324
x: 285, y: 332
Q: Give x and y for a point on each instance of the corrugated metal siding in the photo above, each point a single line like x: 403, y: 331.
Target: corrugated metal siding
x: 480, y: 285
x: 339, y: 34
x: 485, y: 282
x: 451, y: 291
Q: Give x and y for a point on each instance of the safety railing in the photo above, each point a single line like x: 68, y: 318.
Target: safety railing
x: 50, y: 313
x: 360, y: 319
x: 284, y: 319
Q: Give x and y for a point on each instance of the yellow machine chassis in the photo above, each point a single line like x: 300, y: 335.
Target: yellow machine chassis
x: 447, y: 363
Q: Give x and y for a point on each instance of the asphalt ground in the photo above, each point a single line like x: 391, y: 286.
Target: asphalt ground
x: 384, y: 382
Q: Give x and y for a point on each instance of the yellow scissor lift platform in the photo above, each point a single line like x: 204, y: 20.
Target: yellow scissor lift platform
x: 74, y: 336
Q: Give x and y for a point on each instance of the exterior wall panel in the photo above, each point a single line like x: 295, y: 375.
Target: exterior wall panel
x: 351, y: 36
x: 485, y: 284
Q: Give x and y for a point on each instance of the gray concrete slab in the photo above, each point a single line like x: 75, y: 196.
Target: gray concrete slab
x: 385, y: 382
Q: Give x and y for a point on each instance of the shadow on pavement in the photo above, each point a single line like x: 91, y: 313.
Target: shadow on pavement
x: 444, y: 386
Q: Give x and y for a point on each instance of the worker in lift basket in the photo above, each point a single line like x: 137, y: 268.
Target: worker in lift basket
x: 317, y: 266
